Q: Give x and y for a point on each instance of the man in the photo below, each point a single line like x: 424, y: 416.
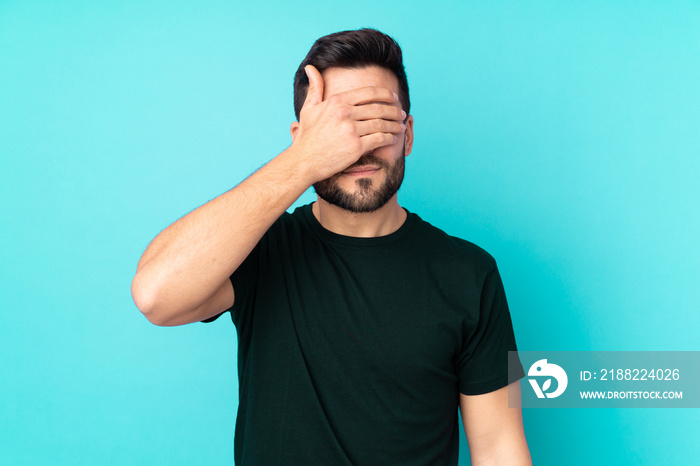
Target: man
x: 361, y: 328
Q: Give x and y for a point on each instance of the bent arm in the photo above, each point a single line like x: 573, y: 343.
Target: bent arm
x: 495, y: 431
x: 182, y: 276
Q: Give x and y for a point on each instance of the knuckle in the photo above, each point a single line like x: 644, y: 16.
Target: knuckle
x: 379, y: 138
x: 349, y: 128
x: 369, y: 92
x: 342, y: 113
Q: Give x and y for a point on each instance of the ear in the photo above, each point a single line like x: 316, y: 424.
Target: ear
x: 294, y: 129
x: 408, y: 135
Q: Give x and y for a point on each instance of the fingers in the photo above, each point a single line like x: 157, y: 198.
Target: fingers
x: 378, y: 110
x: 314, y: 95
x: 378, y: 133
x: 379, y: 126
x: 365, y: 95
x: 374, y: 141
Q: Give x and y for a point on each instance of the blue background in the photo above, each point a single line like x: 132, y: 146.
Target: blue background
x: 560, y: 136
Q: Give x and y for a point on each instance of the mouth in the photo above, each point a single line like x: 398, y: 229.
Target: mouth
x: 362, y: 170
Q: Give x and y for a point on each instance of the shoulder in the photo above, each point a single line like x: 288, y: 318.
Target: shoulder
x: 451, y: 250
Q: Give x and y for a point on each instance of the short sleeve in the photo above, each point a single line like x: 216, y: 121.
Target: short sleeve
x: 244, y: 281
x: 482, y: 365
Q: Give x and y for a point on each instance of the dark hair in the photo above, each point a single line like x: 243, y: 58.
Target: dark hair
x: 352, y: 49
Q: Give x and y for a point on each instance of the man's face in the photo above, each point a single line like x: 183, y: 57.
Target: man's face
x: 375, y: 178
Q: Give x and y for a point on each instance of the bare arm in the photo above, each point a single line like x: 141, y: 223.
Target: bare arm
x: 494, y: 431
x: 182, y: 276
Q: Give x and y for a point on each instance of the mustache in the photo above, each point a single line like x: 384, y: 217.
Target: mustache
x: 369, y: 159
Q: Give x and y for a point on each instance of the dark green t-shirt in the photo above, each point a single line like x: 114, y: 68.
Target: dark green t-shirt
x: 354, y: 350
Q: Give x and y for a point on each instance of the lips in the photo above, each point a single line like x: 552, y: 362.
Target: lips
x: 362, y: 169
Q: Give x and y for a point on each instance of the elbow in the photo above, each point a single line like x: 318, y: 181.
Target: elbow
x: 145, y: 297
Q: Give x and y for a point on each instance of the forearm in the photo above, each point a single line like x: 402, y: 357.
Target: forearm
x: 188, y: 261
x: 182, y: 275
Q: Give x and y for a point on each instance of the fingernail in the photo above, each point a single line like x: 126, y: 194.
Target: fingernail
x: 396, y: 96
x: 403, y: 113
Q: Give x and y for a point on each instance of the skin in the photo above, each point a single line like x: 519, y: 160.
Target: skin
x: 183, y: 276
x: 337, y: 83
x: 494, y: 430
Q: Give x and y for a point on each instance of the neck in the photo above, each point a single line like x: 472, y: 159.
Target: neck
x: 381, y: 222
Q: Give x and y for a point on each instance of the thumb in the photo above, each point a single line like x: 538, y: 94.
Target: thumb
x: 314, y: 95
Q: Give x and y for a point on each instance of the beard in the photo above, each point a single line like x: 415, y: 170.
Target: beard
x: 366, y: 197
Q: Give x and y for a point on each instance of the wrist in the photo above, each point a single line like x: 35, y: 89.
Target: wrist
x: 298, y: 169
